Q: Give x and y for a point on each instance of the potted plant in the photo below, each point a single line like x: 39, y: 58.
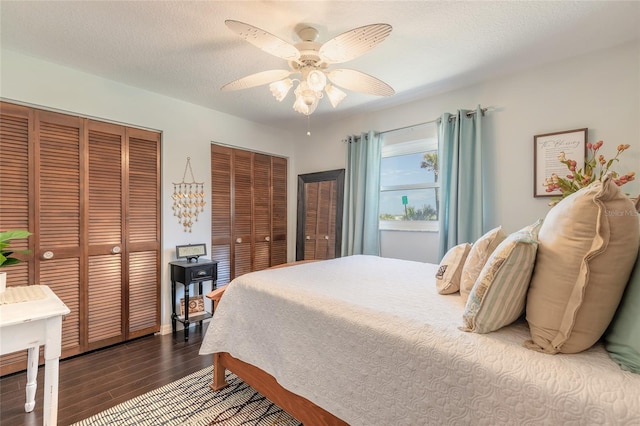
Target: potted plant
x: 6, y: 258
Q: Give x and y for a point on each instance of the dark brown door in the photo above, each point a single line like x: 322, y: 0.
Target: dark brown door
x: 319, y: 227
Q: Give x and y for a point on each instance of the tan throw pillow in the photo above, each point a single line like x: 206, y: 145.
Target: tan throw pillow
x: 450, y: 269
x: 478, y: 256
x: 498, y: 297
x: 587, y: 246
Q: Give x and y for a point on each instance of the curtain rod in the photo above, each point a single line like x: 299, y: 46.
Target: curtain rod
x: 469, y: 114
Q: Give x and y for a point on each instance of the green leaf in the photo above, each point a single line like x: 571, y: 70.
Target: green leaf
x: 14, y: 235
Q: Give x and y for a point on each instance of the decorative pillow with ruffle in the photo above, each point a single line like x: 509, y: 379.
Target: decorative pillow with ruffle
x: 588, y: 244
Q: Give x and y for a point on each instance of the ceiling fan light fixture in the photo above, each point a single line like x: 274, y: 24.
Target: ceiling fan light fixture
x: 280, y: 88
x: 316, y: 80
x: 311, y: 60
x: 334, y: 94
x: 306, y: 99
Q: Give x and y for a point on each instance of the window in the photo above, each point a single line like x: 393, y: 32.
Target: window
x: 409, y: 187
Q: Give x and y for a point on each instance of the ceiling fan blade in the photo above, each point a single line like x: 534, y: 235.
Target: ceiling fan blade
x: 258, y: 79
x: 353, y: 43
x: 360, y: 82
x: 264, y: 40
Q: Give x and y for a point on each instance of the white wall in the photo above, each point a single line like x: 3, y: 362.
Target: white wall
x: 187, y: 131
x: 600, y: 91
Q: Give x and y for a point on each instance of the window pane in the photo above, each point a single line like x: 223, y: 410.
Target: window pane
x: 421, y: 204
x: 407, y: 169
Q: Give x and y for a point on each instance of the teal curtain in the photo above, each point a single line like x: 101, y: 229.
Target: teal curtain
x: 360, y: 234
x: 460, y: 152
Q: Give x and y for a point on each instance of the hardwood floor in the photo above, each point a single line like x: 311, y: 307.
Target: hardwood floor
x: 93, y: 382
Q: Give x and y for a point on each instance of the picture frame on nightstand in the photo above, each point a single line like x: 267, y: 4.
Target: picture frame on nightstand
x: 191, y: 252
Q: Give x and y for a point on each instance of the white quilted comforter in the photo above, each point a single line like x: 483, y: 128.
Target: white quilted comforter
x: 371, y: 341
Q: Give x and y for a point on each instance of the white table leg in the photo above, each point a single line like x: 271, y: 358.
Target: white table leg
x: 32, y: 374
x: 52, y: 351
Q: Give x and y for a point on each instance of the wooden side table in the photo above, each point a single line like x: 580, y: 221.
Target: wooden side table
x: 187, y: 273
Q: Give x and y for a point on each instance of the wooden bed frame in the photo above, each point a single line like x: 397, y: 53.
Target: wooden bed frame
x: 299, y: 407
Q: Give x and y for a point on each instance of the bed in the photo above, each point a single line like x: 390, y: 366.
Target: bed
x: 364, y: 340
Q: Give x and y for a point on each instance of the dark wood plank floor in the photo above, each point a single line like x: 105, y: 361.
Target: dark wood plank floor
x: 93, y: 382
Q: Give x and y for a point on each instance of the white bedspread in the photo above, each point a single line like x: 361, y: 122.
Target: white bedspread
x: 371, y: 341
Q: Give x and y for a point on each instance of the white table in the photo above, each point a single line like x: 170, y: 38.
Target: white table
x: 27, y: 325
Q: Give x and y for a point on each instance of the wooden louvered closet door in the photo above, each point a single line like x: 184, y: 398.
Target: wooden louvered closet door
x: 242, y: 212
x: 319, y: 230
x: 278, y: 210
x: 106, y: 234
x: 249, y: 211
x: 57, y: 232
x: 143, y: 233
x: 73, y: 182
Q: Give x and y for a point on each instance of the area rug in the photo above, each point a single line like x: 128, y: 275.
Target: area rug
x: 189, y: 401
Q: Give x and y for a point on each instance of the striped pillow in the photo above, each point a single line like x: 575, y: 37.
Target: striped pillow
x: 498, y: 296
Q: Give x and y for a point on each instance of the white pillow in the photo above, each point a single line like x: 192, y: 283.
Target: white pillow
x: 450, y: 270
x: 498, y: 297
x: 478, y: 256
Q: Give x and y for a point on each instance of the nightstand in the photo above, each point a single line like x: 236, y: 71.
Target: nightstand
x: 187, y: 273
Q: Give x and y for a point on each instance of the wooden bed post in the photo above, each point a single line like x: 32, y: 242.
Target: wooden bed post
x: 219, y: 381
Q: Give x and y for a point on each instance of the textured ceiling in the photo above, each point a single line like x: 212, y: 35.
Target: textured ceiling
x: 183, y: 49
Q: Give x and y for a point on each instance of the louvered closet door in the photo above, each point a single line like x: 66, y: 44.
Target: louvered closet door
x: 261, y: 212
x: 320, y: 222
x: 278, y: 210
x: 242, y: 212
x: 249, y: 211
x: 319, y: 215
x: 15, y: 151
x: 14, y: 184
x: 311, y: 219
x: 221, y: 190
x: 90, y: 194
x: 143, y: 230
x: 325, y: 229
x: 58, y: 226
x: 105, y: 235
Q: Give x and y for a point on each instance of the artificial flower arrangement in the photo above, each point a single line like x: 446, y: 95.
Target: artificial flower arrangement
x: 596, y: 167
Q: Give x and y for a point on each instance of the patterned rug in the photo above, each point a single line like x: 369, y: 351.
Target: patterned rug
x: 189, y: 401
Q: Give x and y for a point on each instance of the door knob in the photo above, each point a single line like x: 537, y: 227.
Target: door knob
x: 267, y: 238
x: 116, y: 250
x: 47, y: 255
x: 308, y: 237
x: 238, y: 240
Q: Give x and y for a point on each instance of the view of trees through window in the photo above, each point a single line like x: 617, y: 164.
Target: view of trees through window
x: 409, y: 187
x: 410, y: 193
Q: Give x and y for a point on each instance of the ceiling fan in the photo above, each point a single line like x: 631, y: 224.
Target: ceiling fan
x: 309, y: 63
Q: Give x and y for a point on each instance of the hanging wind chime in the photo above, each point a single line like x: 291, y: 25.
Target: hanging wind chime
x: 188, y: 199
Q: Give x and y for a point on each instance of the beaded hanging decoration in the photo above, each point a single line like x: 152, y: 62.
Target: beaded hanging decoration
x: 188, y: 199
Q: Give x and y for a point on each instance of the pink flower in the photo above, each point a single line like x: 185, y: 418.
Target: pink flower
x: 595, y: 167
